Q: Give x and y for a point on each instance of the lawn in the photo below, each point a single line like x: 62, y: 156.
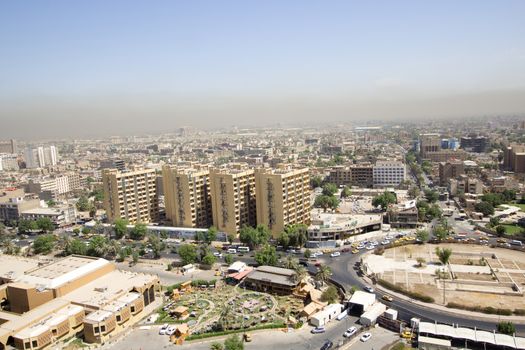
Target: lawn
x: 521, y: 206
x: 512, y: 229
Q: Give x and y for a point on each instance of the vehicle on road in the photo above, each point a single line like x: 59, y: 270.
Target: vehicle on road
x: 243, y: 249
x: 318, y: 330
x: 163, y: 329
x: 387, y: 298
x: 335, y: 254
x: 360, y: 246
x: 232, y: 251
x: 217, y: 254
x: 327, y: 345
x: 317, y: 263
x: 385, y: 242
x: 370, y: 247
x: 368, y: 289
x: 247, y: 337
x: 355, y: 251
x: 350, y: 332
x: 365, y: 337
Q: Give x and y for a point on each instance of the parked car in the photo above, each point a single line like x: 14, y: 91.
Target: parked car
x: 327, y: 345
x: 350, y: 332
x: 217, y: 254
x: 163, y: 329
x: 318, y: 330
x: 335, y: 254
x: 365, y: 337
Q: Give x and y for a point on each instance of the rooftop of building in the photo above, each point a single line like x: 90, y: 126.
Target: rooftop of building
x: 112, y: 286
x: 11, y: 267
x: 62, y: 271
x: 273, y: 275
x: 335, y: 221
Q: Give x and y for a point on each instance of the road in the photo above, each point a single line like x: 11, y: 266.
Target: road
x: 344, y: 272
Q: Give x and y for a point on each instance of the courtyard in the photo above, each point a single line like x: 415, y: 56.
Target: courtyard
x: 476, y: 277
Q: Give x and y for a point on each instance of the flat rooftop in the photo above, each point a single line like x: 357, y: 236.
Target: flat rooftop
x: 110, y: 287
x: 62, y: 271
x: 11, y: 267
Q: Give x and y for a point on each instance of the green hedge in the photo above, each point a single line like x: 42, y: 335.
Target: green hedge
x: 519, y: 312
x: 486, y: 310
x: 414, y: 295
x: 233, y: 331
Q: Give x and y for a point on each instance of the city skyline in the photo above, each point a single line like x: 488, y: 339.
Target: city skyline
x: 134, y: 67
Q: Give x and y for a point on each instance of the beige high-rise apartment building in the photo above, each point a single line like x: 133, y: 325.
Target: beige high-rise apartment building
x: 283, y: 197
x: 131, y: 195
x: 187, y: 196
x: 233, y: 198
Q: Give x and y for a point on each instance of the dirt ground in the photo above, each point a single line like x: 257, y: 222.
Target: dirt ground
x: 494, y: 268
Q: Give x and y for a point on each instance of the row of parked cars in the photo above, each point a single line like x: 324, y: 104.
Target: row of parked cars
x: 347, y: 334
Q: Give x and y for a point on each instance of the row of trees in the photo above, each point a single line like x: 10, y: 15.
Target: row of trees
x: 42, y: 224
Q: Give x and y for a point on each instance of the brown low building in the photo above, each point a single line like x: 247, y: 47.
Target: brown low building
x: 73, y: 296
x: 272, y: 280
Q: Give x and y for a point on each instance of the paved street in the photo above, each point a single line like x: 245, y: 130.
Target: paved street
x: 141, y: 339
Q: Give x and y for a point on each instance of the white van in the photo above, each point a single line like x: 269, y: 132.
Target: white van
x: 243, y: 249
x: 232, y: 251
x: 516, y: 242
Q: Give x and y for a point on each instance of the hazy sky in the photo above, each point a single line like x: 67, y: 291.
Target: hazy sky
x: 92, y: 67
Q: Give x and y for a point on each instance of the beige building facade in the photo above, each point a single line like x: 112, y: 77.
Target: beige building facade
x: 233, y: 198
x: 187, y: 196
x: 131, y: 195
x: 283, y: 198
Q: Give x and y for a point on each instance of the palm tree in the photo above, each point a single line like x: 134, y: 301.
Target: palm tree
x: 216, y: 346
x: 224, y: 319
x: 300, y: 274
x: 290, y: 262
x: 113, y: 248
x: 443, y: 255
x: 323, y: 274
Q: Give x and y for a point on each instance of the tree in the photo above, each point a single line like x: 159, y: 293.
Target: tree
x: 51, y: 203
x: 486, y: 208
x: 284, y: 239
x: 157, y: 246
x: 44, y: 244
x: 431, y: 196
x: 420, y: 261
x: 434, y: 212
x: 307, y: 253
x: 330, y: 295
x: 413, y: 191
x: 233, y: 343
x: 441, y: 232
x: 254, y: 237
x: 422, y: 235
x: 329, y: 189
x: 297, y: 234
x: 135, y: 256
x: 83, y: 204
x: 45, y: 224
x: 211, y: 235
x: 346, y: 192
x: 325, y: 202
x: 443, y: 254
x: 506, y: 328
x: 300, y: 273
x: 290, y: 262
x: 266, y: 256
x: 500, y: 230
x: 316, y: 181
x: 26, y: 226
x: 216, y: 346
x: 97, y: 246
x: 384, y: 200
x: 494, y: 221
x: 228, y: 259
x: 120, y: 227
x: 209, y: 259
x: 75, y: 246
x: 138, y: 232
x: 323, y: 274
x: 187, y: 253
x: 231, y: 238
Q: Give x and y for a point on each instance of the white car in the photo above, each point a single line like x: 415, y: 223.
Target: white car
x: 365, y: 337
x: 350, y: 332
x: 335, y: 254
x: 171, y: 330
x: 370, y: 247
x: 361, y: 246
x: 163, y: 329
x: 217, y: 254
x: 385, y: 242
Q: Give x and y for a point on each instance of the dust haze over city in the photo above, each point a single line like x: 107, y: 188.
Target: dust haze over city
x: 233, y: 175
